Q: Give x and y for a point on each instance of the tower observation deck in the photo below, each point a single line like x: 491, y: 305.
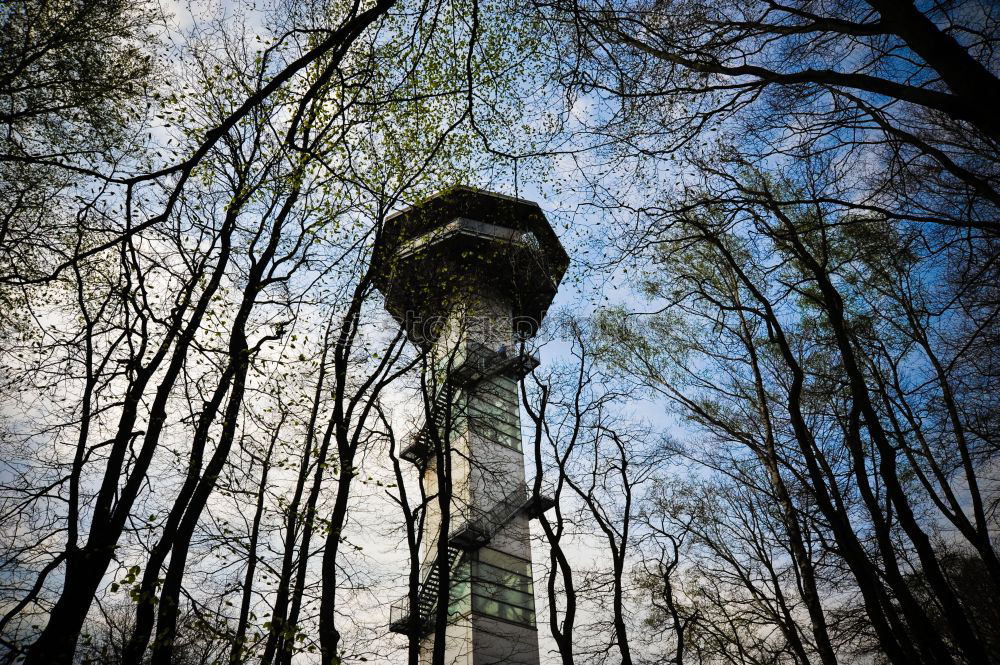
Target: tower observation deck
x: 470, y: 275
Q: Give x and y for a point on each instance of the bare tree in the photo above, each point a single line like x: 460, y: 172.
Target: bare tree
x: 841, y: 461
x: 891, y: 93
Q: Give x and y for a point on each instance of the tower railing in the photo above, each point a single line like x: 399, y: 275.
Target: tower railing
x: 403, y: 620
x: 470, y: 535
x: 481, y: 528
x: 482, y: 361
x: 418, y: 448
x: 478, y: 363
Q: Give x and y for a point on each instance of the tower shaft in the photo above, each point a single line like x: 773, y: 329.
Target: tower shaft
x: 492, y: 615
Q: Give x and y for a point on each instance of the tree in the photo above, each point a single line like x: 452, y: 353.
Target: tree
x: 195, y: 299
x: 73, y: 86
x: 597, y: 463
x: 891, y: 93
x: 777, y: 306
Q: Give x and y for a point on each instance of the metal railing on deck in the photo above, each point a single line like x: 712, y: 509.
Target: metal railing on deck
x: 468, y: 536
x: 481, y: 528
x: 481, y: 362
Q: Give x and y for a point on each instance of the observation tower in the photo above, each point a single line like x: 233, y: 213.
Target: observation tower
x: 470, y: 275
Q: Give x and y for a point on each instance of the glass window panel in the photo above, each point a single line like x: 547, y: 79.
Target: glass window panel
x: 499, y: 427
x: 491, y: 607
x: 460, y: 588
x: 462, y: 605
x: 506, y: 561
x: 503, y: 439
x: 496, y: 385
x: 504, y: 594
x: 488, y: 574
x: 459, y: 601
x: 488, y: 397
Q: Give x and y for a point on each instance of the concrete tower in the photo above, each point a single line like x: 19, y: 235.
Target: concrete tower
x: 470, y: 274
